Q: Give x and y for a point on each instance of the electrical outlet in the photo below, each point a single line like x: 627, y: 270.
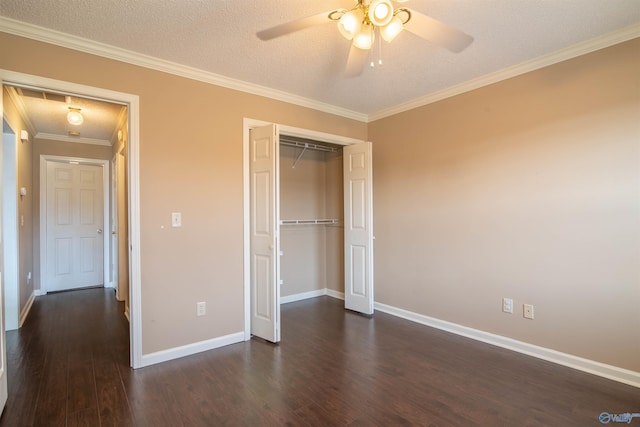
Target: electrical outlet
x: 507, y: 305
x: 527, y: 311
x: 201, y: 308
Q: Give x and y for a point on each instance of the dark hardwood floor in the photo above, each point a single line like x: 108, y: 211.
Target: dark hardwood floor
x: 68, y: 366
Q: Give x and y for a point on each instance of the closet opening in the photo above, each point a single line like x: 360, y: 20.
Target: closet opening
x: 308, y: 222
x: 311, y: 219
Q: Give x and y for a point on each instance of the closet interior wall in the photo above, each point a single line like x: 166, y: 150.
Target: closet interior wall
x: 312, y: 254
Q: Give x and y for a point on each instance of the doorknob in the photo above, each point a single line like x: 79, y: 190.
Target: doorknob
x: 99, y: 230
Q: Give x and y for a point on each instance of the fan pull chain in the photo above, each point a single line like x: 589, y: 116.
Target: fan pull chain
x: 373, y: 61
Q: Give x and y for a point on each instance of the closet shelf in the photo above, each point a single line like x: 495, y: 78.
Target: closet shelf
x: 309, y: 221
x: 307, y: 145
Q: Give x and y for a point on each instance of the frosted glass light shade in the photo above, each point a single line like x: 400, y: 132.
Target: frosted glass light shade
x: 350, y: 24
x: 391, y: 30
x: 74, y: 117
x: 380, y: 12
x: 364, y: 39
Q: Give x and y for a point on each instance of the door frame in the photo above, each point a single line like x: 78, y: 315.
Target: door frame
x: 10, y: 235
x: 247, y: 125
x: 106, y: 196
x: 113, y: 226
x: 133, y: 107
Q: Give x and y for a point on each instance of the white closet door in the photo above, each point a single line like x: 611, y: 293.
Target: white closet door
x: 264, y: 199
x: 358, y: 228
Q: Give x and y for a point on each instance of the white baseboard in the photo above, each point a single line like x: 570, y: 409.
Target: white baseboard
x: 126, y: 314
x: 312, y: 294
x: 335, y: 294
x: 26, y: 309
x: 302, y: 296
x: 39, y: 292
x: 601, y: 369
x: 189, y: 349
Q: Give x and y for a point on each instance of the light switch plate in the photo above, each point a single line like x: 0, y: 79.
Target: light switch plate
x: 176, y: 219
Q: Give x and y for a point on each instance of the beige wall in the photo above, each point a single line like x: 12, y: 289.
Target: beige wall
x: 190, y: 162
x: 120, y: 151
x: 311, y: 190
x: 25, y: 204
x: 528, y: 189
x: 335, y: 234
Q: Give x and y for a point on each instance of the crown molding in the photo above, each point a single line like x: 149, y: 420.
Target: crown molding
x: 69, y: 41
x: 22, y: 110
x: 623, y: 35
x: 58, y: 38
x: 74, y: 139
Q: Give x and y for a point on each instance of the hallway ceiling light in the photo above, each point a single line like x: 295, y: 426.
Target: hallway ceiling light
x: 74, y: 117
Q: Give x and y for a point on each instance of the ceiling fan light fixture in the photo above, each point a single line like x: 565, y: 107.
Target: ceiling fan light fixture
x: 350, y: 24
x: 380, y: 12
x: 364, y: 39
x: 392, y: 29
x: 74, y: 117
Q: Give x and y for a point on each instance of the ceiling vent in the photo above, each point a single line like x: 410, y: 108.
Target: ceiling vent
x: 41, y: 95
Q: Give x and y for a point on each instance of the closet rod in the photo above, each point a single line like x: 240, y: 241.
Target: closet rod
x: 309, y: 221
x: 309, y: 146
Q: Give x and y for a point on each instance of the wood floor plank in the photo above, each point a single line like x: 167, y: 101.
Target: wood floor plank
x: 68, y: 366
x: 84, y: 418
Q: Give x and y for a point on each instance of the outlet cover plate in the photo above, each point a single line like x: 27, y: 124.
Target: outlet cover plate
x: 201, y: 308
x: 527, y: 311
x: 507, y: 305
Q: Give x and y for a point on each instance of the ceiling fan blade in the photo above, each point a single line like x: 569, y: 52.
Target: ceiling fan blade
x: 437, y: 32
x: 356, y: 61
x: 293, y: 26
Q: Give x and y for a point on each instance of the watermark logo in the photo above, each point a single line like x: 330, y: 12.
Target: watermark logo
x: 606, y: 418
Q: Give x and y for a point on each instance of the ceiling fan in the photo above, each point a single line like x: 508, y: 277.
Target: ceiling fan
x: 368, y: 17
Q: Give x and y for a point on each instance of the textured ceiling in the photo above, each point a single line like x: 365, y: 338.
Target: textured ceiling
x: 47, y: 114
x: 218, y: 36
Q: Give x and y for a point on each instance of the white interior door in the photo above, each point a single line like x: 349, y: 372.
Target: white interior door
x: 358, y: 228
x: 264, y: 240
x: 74, y: 222
x: 3, y: 350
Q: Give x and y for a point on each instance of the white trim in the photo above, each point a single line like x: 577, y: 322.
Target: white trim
x: 58, y: 38
x: 190, y: 349
x: 26, y: 309
x: 22, y: 109
x: 106, y: 189
x: 34, y: 32
x: 9, y: 212
x: 74, y: 139
x: 133, y: 102
x: 590, y: 366
x: 312, y: 294
x: 583, y: 48
x: 335, y: 294
x: 39, y: 292
x: 302, y: 296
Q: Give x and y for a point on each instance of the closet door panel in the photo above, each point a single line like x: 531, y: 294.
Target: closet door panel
x: 358, y: 228
x: 265, y: 295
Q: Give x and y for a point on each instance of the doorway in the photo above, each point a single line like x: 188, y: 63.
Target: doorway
x: 132, y: 102
x: 74, y: 212
x: 262, y: 224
